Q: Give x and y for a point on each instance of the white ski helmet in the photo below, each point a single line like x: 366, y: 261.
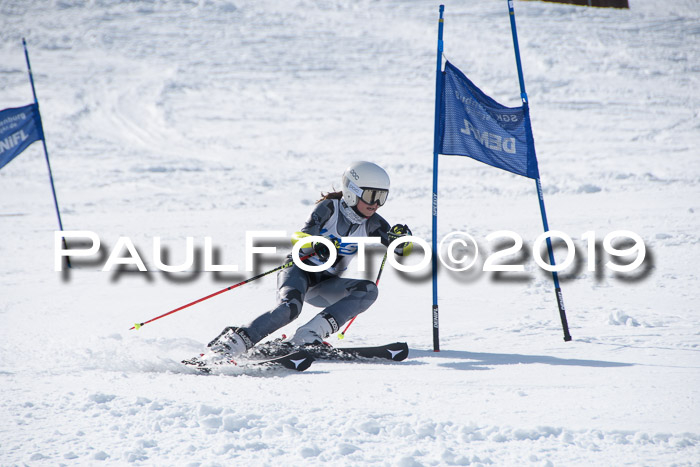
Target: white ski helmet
x: 365, y: 180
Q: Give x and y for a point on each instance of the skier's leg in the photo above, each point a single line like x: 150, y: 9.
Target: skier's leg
x: 344, y: 298
x: 292, y: 284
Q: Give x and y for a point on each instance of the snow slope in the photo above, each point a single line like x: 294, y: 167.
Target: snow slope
x: 181, y: 118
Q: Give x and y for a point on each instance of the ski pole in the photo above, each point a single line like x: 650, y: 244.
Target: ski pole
x: 379, y: 275
x: 283, y: 266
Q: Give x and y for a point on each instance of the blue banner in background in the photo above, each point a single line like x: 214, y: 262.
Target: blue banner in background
x: 474, y: 125
x: 19, y: 128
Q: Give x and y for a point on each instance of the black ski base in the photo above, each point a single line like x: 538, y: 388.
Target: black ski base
x: 298, y: 360
x: 396, y: 351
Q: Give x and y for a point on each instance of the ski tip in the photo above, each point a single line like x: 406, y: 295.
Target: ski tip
x: 400, y: 352
x: 298, y: 361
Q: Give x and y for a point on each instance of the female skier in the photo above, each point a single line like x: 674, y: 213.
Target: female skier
x: 351, y: 212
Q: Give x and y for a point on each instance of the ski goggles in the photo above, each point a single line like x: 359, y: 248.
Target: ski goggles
x: 370, y: 195
x: 373, y: 195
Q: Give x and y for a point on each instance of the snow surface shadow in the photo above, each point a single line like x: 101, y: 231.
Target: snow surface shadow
x: 481, y: 360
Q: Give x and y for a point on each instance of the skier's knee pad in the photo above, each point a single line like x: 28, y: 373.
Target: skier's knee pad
x: 372, y: 291
x: 293, y: 302
x: 367, y: 290
x: 293, y: 298
x: 294, y: 310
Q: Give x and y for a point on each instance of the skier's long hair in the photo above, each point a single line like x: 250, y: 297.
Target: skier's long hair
x: 330, y: 195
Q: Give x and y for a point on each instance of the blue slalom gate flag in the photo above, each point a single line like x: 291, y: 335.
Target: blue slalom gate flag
x: 474, y: 125
x: 19, y: 127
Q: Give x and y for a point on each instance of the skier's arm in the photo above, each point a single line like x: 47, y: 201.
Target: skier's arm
x: 379, y: 227
x: 319, y: 216
x: 398, y: 231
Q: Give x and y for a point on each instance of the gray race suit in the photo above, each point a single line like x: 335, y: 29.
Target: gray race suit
x: 341, y: 298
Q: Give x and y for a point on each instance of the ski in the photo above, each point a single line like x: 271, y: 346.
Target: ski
x: 298, y: 360
x: 396, y: 351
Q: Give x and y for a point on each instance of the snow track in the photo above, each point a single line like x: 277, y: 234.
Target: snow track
x: 173, y: 431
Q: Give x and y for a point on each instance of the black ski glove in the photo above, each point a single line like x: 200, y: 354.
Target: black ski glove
x: 399, y: 231
x: 322, y: 251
